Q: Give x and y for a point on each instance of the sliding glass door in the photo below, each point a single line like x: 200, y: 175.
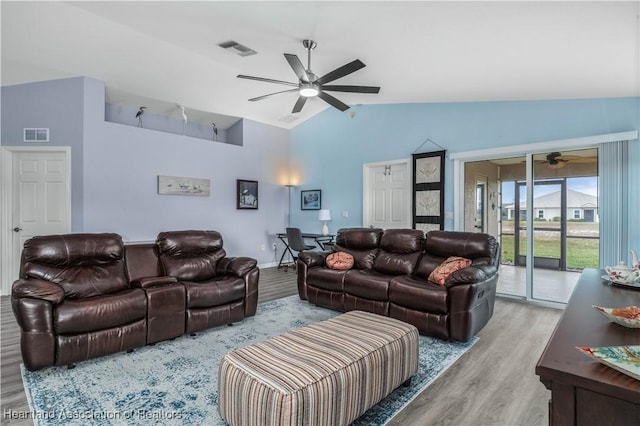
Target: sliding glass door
x: 548, y: 224
x: 546, y: 219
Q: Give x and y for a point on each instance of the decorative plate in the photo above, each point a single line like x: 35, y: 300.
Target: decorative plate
x: 625, y: 359
x: 626, y: 322
x: 634, y: 284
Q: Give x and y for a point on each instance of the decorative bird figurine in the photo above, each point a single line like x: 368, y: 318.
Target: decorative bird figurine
x: 184, y: 118
x: 139, y: 115
x: 215, y: 131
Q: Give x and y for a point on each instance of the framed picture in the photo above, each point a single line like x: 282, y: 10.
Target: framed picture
x: 176, y: 185
x: 428, y: 191
x: 311, y: 200
x: 247, y: 194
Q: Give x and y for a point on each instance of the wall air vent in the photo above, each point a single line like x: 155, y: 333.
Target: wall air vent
x: 237, y: 48
x: 36, y: 135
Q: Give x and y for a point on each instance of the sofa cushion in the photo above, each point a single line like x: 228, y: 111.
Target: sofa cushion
x: 446, y: 268
x: 370, y: 285
x: 214, y: 292
x: 326, y: 279
x: 402, y: 241
x: 359, y: 238
x: 142, y: 261
x: 84, y: 265
x: 399, y: 251
x: 100, y: 312
x: 395, y: 264
x: 483, y: 249
x: 190, y: 255
x: 419, y: 295
x: 340, y: 260
x: 361, y: 243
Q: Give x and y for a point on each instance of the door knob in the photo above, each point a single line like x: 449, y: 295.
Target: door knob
x: 17, y: 229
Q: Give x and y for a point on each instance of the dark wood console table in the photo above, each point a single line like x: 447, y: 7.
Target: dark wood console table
x: 583, y: 391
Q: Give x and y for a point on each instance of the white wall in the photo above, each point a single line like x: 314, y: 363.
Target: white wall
x: 481, y: 170
x: 122, y: 163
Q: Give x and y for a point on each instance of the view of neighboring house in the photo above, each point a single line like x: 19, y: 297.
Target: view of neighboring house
x: 580, y: 206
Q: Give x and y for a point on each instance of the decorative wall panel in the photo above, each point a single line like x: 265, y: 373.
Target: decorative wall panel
x: 428, y: 191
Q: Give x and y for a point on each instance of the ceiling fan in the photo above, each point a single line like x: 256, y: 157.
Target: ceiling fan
x: 310, y: 85
x: 556, y: 160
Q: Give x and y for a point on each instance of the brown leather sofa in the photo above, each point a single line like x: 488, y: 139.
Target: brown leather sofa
x: 389, y: 277
x: 82, y: 296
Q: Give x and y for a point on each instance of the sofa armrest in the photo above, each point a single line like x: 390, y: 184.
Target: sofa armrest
x: 471, y: 306
x: 37, y: 289
x: 149, y: 282
x: 238, y: 266
x: 313, y: 258
x: 471, y: 275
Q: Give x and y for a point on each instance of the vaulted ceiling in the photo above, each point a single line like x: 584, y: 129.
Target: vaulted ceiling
x: 420, y: 51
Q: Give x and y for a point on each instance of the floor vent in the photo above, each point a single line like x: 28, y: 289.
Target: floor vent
x: 237, y: 48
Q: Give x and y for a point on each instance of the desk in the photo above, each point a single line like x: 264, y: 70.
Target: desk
x: 319, y: 239
x: 583, y: 392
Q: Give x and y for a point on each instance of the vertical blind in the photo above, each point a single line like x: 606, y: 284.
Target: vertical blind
x: 613, y: 165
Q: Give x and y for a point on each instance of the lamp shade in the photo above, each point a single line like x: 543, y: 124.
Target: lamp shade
x: 324, y: 215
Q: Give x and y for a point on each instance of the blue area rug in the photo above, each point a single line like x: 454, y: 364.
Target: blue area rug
x: 175, y: 382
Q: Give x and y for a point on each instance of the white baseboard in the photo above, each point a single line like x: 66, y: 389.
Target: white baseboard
x: 268, y: 265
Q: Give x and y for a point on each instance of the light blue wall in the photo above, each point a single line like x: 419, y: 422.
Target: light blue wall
x: 115, y: 167
x: 329, y: 150
x: 59, y: 106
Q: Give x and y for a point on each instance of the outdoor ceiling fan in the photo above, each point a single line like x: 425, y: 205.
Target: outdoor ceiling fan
x: 310, y: 85
x: 556, y: 160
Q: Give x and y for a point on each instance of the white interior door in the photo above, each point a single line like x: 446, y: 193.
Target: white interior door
x: 40, y: 200
x: 387, y: 201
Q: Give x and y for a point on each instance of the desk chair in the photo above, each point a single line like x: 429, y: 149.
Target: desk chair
x: 296, y: 243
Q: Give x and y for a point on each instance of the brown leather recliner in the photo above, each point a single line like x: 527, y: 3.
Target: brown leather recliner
x: 219, y: 290
x: 74, y: 302
x: 463, y: 306
x: 82, y: 296
x: 390, y: 277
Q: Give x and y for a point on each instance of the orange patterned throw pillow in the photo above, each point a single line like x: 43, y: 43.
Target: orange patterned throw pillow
x: 340, y: 261
x: 450, y: 265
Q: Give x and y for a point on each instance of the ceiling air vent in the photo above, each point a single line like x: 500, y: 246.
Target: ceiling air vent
x: 288, y: 118
x: 36, y: 135
x: 237, y: 48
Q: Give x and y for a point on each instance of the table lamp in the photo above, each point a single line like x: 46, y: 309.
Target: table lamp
x: 324, y: 216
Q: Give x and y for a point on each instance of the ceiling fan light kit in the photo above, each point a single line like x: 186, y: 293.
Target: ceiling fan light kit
x: 309, y: 90
x: 310, y: 85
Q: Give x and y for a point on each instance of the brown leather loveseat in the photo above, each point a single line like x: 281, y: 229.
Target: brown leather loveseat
x: 82, y: 296
x: 390, y: 277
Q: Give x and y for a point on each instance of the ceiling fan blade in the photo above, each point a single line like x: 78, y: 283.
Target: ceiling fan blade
x: 342, y: 71
x: 267, y: 80
x: 353, y: 89
x: 580, y: 159
x: 333, y: 101
x: 299, y: 104
x: 297, y: 66
x: 271, y: 94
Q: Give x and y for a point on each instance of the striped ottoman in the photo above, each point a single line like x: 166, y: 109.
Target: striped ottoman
x: 327, y: 373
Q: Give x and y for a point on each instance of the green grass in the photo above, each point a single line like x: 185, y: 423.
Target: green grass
x: 581, y: 252
x: 590, y: 229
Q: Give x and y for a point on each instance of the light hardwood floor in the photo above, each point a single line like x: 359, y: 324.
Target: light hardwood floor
x: 492, y: 384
